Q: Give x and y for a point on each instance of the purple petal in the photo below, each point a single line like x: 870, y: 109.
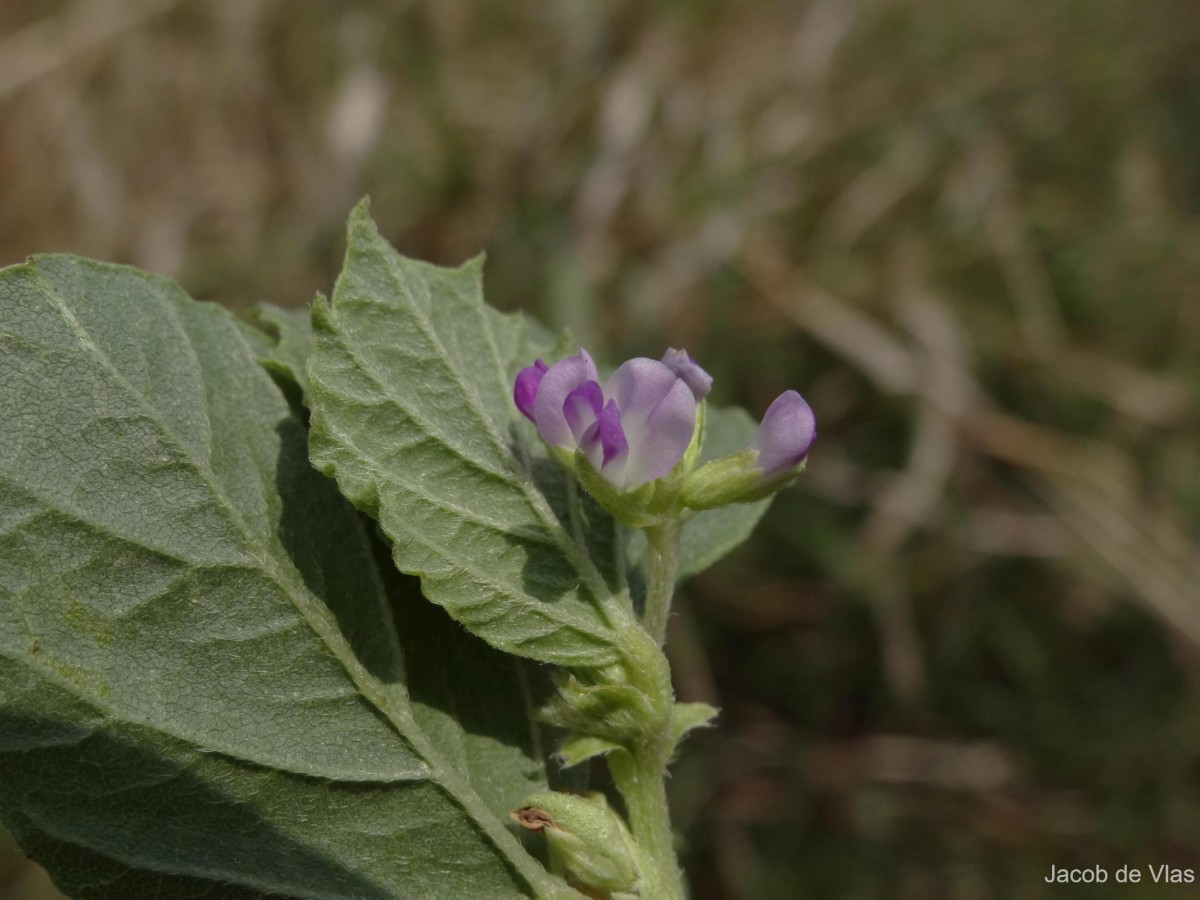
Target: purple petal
x: 787, y: 432
x: 679, y: 362
x: 658, y: 413
x: 606, y: 446
x: 558, y: 382
x: 664, y: 437
x: 582, y: 407
x: 526, y: 387
x: 637, y: 386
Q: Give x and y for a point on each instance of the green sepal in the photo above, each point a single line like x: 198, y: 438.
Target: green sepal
x: 563, y: 456
x: 618, y: 713
x: 624, y: 703
x: 691, y: 456
x: 645, y: 506
x: 733, y: 479
x: 630, y: 508
x: 688, y: 717
x: 581, y: 747
x: 588, y: 842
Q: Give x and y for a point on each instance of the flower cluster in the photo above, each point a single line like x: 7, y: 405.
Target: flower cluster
x: 637, y: 426
x: 634, y: 429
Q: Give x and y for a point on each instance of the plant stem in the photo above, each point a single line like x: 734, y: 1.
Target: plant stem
x: 662, y: 567
x: 640, y: 770
x: 640, y: 776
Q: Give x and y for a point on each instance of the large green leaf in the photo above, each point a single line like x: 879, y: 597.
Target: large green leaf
x: 202, y: 692
x: 410, y: 390
x: 286, y: 356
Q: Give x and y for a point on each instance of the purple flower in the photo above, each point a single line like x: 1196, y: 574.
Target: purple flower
x: 633, y: 430
x: 689, y: 370
x: 787, y: 432
x: 526, y: 387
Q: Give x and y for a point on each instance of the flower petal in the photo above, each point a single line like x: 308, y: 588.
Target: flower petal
x: 679, y: 362
x: 606, y: 446
x: 582, y: 407
x: 658, y: 414
x: 788, y: 430
x: 663, y: 438
x: 526, y: 387
x: 560, y: 379
x: 637, y: 386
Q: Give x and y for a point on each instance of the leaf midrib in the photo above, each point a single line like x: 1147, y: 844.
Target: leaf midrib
x: 553, y: 532
x: 613, y: 614
x: 269, y: 888
x: 377, y: 694
x: 324, y: 630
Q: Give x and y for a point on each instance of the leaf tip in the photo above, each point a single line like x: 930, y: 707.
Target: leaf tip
x: 362, y: 209
x: 321, y: 312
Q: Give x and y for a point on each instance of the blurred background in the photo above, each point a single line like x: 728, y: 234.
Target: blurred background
x: 967, y: 645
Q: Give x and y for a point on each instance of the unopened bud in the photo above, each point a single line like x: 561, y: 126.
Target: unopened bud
x: 588, y: 842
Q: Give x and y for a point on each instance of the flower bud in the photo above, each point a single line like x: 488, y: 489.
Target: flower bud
x: 525, y: 389
x: 588, y: 842
x: 786, y: 434
x: 775, y: 456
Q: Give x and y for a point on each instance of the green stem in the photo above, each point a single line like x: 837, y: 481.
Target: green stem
x: 640, y: 776
x: 640, y: 770
x: 662, y: 568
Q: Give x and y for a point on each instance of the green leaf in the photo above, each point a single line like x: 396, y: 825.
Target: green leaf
x: 291, y: 341
x: 581, y: 747
x: 411, y: 394
x: 202, y: 692
x: 465, y: 693
x: 690, y: 716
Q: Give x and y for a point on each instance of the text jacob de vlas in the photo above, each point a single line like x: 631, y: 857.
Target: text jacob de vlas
x: 1163, y: 874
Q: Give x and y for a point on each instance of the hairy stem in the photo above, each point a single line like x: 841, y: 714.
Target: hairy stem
x: 639, y: 771
x: 640, y: 776
x: 662, y: 568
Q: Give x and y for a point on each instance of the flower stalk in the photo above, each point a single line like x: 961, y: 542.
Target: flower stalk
x: 662, y: 570
x: 634, y: 442
x: 640, y: 771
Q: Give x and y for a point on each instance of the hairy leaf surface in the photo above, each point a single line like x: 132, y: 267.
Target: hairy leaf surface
x: 201, y: 688
x: 410, y: 381
x: 286, y: 356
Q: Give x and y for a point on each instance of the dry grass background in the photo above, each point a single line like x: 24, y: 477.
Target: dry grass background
x: 968, y: 645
